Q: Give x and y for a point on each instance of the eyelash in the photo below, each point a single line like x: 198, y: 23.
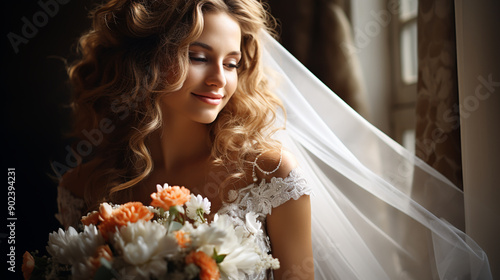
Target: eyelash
x: 234, y: 66
x: 198, y: 59
x: 202, y: 59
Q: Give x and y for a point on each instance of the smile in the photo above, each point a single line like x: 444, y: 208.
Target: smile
x: 209, y: 98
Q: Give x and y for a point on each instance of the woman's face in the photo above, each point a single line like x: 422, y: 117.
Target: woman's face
x: 212, y: 76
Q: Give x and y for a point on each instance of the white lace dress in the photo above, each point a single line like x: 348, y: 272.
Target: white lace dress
x: 259, y: 198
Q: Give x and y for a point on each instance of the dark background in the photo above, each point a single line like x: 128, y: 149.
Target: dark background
x: 35, y: 97
x: 34, y: 94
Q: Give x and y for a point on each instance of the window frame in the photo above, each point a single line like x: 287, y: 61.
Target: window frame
x: 404, y: 93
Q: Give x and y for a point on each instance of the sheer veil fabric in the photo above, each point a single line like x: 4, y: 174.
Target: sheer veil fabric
x: 378, y: 211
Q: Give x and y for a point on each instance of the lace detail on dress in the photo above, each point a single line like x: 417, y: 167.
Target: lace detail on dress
x: 70, y: 208
x: 261, y: 199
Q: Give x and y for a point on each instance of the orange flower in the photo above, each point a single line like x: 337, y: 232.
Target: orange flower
x: 28, y: 265
x: 182, y: 238
x: 207, y: 265
x: 91, y: 219
x: 130, y: 212
x: 170, y: 196
x: 102, y: 251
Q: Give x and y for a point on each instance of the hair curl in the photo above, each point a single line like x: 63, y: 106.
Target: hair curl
x: 135, y: 52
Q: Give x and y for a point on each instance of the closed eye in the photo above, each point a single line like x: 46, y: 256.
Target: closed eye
x: 232, y: 65
x: 198, y: 59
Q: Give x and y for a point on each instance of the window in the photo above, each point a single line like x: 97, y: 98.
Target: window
x: 405, y: 72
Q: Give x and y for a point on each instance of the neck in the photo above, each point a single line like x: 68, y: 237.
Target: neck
x: 179, y: 143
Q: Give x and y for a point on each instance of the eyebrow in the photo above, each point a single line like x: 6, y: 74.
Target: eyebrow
x: 209, y: 48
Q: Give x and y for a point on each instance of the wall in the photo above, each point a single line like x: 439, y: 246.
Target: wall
x: 371, y: 37
x: 478, y: 43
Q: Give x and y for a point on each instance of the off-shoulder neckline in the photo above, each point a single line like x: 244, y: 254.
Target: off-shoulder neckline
x: 262, y: 182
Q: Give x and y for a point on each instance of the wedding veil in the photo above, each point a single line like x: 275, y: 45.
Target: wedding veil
x: 378, y: 212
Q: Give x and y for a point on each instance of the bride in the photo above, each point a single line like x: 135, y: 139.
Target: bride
x: 194, y: 93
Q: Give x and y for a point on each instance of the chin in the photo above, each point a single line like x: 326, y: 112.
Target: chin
x: 206, y: 119
x: 207, y: 122
x: 206, y: 116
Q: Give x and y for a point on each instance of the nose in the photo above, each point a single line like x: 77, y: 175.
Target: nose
x: 216, y: 76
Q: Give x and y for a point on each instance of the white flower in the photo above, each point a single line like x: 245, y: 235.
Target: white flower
x: 242, y: 259
x: 196, y: 205
x: 159, y: 188
x: 235, y: 242
x: 82, y: 270
x: 252, y: 224
x: 206, y: 237
x: 105, y: 210
x: 71, y: 247
x: 242, y: 253
x: 269, y: 262
x: 145, y: 246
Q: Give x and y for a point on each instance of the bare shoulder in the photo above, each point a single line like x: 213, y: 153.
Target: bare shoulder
x: 289, y: 230
x: 75, y: 179
x: 275, y: 164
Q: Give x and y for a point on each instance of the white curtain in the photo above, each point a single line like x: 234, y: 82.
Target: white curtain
x: 368, y: 222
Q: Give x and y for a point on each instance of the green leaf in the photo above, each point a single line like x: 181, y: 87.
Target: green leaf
x: 175, y: 226
x: 106, y: 263
x: 172, y: 211
x: 104, y: 273
x: 218, y: 258
x: 162, y: 212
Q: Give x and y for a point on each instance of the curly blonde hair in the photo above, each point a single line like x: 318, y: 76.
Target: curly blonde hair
x: 137, y: 51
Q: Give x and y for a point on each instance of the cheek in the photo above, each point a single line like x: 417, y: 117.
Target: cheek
x: 232, y: 83
x: 194, y: 76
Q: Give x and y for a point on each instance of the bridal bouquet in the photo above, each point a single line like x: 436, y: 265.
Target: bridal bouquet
x: 171, y: 239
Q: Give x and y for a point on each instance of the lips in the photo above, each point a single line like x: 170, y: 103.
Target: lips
x: 209, y: 97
